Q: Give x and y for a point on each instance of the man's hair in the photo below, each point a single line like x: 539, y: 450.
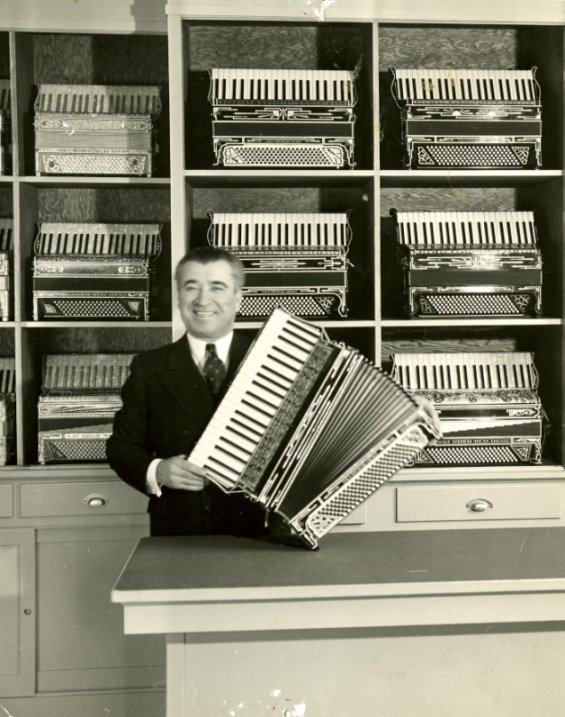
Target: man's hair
x: 209, y: 254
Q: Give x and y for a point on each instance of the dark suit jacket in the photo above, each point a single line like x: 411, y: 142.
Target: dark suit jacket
x: 166, y: 406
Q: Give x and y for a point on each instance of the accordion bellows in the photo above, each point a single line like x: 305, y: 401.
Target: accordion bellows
x: 470, y: 263
x: 469, y: 119
x: 95, y: 129
x: 6, y: 267
x: 7, y: 409
x: 94, y: 271
x: 309, y: 428
x: 282, y: 118
x: 297, y: 261
x: 80, y: 395
x: 488, y: 405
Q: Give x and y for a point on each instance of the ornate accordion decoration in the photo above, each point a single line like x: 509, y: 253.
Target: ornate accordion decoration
x: 309, y: 428
x: 470, y: 263
x: 6, y: 268
x: 94, y: 271
x: 469, y: 119
x: 7, y: 409
x: 282, y: 118
x: 296, y: 261
x: 487, y: 402
x: 5, y: 129
x: 80, y: 395
x: 95, y: 129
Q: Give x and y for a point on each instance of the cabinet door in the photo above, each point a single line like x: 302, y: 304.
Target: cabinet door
x: 17, y: 612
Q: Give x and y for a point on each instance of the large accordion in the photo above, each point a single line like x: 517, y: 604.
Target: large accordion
x: 7, y: 409
x: 96, y: 129
x: 487, y: 402
x: 5, y: 128
x: 295, y: 261
x: 470, y: 263
x: 309, y: 428
x: 80, y: 395
x: 282, y: 118
x: 94, y: 271
x: 469, y: 119
x: 6, y: 268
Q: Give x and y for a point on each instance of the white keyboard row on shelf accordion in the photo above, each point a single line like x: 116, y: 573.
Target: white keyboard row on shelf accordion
x: 96, y: 129
x: 5, y: 129
x: 6, y: 268
x: 295, y: 261
x: 7, y: 409
x: 80, y: 395
x: 469, y: 119
x: 488, y: 405
x: 470, y: 263
x: 94, y: 271
x: 309, y: 428
x: 282, y: 118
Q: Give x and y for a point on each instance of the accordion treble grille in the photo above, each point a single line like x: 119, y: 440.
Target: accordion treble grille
x: 465, y: 371
x: 98, y: 239
x: 85, y: 372
x: 98, y: 99
x: 6, y: 234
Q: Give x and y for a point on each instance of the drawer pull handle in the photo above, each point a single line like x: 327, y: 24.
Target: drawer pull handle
x: 479, y: 505
x: 95, y: 501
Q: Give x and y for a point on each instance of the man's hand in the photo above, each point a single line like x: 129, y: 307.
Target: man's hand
x: 178, y: 473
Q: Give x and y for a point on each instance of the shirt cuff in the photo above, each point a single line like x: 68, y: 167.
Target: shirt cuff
x: 153, y: 488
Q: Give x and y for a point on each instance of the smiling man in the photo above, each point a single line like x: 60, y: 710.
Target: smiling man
x: 170, y: 396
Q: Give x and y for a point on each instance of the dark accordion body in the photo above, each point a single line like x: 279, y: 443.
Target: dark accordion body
x: 94, y: 271
x: 470, y: 263
x: 309, y: 428
x: 469, y: 119
x: 80, y: 395
x: 7, y: 409
x: 282, y: 118
x: 96, y: 129
x: 295, y: 261
x: 488, y: 404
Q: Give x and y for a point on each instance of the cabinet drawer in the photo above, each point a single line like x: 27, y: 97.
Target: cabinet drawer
x: 6, y: 501
x: 58, y: 499
x: 477, y: 502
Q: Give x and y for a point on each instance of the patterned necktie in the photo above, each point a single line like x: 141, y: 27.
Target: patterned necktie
x: 214, y: 370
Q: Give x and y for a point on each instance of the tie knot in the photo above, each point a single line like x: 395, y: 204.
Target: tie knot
x: 211, y: 349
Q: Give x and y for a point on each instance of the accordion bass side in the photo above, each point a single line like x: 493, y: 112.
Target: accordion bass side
x: 5, y: 129
x: 295, y: 261
x: 470, y: 263
x: 469, y: 119
x: 80, y: 395
x: 487, y: 402
x: 6, y: 268
x: 290, y: 433
x: 282, y: 118
x: 7, y: 409
x: 94, y: 271
x: 95, y: 129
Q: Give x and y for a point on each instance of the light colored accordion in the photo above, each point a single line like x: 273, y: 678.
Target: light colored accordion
x: 80, y: 395
x: 309, y: 428
x: 470, y: 263
x: 5, y: 129
x: 282, y: 118
x: 6, y: 267
x: 94, y: 271
x: 95, y: 129
x: 487, y: 402
x: 296, y: 261
x: 7, y: 409
x: 469, y: 119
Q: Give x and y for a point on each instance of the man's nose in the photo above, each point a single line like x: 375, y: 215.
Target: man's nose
x: 203, y: 295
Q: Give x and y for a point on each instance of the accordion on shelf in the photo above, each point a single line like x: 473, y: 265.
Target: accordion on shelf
x: 7, y: 409
x: 295, y: 261
x: 469, y: 119
x: 470, y: 263
x: 309, y: 428
x: 94, y: 271
x: 96, y: 129
x: 487, y: 403
x: 6, y: 268
x: 282, y: 118
x: 5, y: 129
x: 80, y: 395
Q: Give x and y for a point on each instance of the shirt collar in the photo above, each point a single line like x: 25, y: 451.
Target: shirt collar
x: 198, y: 348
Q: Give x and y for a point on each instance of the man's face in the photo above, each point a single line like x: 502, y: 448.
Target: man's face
x: 208, y: 298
